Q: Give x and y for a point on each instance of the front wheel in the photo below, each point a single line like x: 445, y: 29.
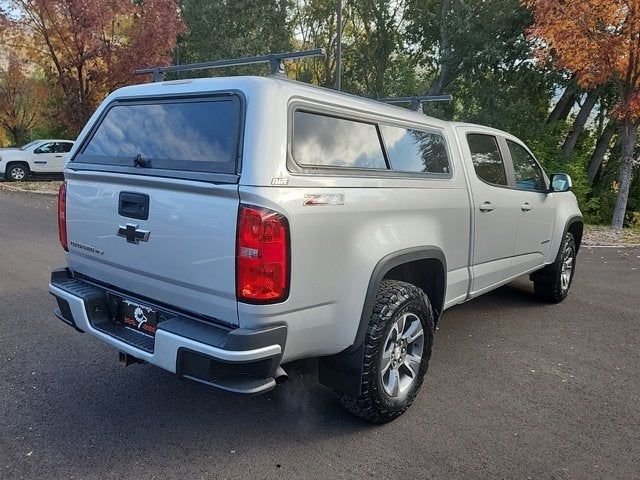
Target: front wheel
x: 554, y: 281
x: 396, y: 353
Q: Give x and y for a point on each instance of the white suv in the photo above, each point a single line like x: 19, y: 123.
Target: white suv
x: 220, y: 228
x: 39, y: 156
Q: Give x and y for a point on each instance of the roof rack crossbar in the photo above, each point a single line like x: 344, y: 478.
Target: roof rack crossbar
x: 417, y: 101
x: 275, y: 61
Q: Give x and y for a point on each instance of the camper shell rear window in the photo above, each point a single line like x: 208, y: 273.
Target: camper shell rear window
x: 197, y: 135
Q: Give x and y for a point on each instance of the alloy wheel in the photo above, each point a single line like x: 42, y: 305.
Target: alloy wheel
x: 402, y: 355
x: 566, y: 271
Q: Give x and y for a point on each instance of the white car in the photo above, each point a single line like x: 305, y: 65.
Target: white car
x: 39, y: 156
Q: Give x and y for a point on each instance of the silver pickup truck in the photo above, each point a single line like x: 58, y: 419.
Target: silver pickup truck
x: 220, y: 228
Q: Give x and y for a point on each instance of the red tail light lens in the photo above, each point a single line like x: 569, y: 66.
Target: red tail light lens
x: 62, y: 215
x: 262, y: 255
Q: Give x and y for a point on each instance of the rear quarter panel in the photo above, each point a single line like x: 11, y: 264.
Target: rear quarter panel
x: 334, y: 249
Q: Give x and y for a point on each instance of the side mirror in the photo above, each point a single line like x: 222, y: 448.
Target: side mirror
x: 560, y: 182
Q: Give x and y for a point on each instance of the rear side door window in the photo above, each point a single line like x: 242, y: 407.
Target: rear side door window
x: 416, y: 151
x: 64, y: 147
x: 326, y: 141
x: 487, y: 159
x: 529, y: 175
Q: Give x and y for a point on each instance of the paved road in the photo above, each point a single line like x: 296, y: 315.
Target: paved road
x: 516, y: 389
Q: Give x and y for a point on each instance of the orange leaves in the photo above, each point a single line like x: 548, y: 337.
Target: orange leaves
x: 598, y: 40
x: 628, y: 109
x: 87, y: 48
x: 22, y: 100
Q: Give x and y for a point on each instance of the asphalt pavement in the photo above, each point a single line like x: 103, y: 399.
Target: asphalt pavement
x: 515, y: 389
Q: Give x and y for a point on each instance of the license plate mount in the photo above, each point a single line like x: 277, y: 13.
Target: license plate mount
x: 139, y: 317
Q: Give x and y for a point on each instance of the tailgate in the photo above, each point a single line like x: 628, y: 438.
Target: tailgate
x: 152, y: 200
x: 188, y: 257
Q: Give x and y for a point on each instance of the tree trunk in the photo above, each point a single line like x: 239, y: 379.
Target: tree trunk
x: 628, y: 135
x: 21, y: 136
x: 563, y: 107
x: 445, y: 52
x: 579, y: 123
x: 564, y: 113
x: 602, y: 146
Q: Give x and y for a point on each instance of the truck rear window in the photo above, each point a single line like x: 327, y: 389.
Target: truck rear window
x: 187, y: 135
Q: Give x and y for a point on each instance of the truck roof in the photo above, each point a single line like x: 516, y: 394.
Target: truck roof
x: 256, y: 85
x: 484, y: 128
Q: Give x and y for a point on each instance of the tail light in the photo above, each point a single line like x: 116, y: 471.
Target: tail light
x: 262, y: 255
x: 62, y: 215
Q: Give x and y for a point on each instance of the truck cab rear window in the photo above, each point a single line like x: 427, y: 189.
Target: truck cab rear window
x: 487, y: 159
x: 325, y: 141
x: 198, y: 136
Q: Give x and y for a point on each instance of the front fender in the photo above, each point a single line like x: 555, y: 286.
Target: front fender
x: 567, y: 213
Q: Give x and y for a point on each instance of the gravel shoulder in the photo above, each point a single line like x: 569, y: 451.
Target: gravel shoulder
x: 44, y: 187
x: 599, y: 235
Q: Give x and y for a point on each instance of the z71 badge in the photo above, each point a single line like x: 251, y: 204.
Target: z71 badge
x: 326, y: 199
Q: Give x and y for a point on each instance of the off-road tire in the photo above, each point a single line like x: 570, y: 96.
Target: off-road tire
x: 547, y: 283
x: 394, y: 298
x: 12, y: 169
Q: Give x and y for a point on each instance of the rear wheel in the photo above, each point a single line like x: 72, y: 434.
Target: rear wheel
x: 552, y: 284
x: 16, y: 172
x: 396, y: 353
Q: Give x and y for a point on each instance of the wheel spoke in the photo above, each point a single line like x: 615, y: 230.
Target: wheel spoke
x: 412, y: 362
x: 393, y: 385
x: 413, y: 332
x: 400, y: 324
x: 386, y: 361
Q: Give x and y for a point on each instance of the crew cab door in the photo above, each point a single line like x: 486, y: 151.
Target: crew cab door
x: 61, y: 150
x: 536, y: 209
x: 495, y: 208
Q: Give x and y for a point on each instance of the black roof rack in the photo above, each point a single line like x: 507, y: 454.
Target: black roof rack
x: 275, y: 61
x: 417, y: 101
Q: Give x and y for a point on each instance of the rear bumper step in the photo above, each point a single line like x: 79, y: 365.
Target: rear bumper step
x: 240, y: 361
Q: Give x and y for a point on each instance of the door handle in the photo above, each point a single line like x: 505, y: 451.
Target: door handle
x: 486, y: 207
x: 134, y: 205
x: 525, y: 207
x: 59, y: 156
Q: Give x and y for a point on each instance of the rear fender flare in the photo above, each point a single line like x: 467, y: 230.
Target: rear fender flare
x: 343, y: 371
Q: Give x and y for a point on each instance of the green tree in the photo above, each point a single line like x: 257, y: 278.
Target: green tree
x: 315, y: 26
x: 455, y: 37
x: 218, y: 29
x: 376, y: 62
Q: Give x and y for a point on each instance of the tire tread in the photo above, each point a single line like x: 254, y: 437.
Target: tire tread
x: 391, y: 295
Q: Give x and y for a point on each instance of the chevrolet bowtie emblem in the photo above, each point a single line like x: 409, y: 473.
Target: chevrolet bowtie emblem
x: 132, y: 234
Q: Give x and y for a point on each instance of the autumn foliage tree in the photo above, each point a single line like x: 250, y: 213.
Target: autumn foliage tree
x: 598, y: 41
x: 89, y: 47
x: 22, y: 101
